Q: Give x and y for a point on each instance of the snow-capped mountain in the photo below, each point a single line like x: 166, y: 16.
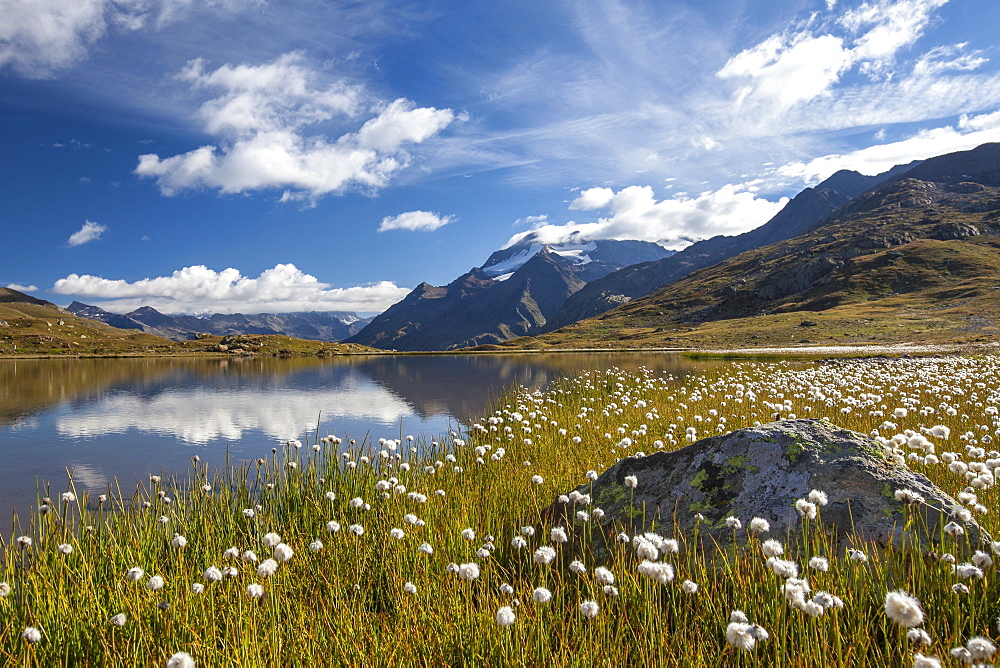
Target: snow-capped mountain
x: 512, y: 294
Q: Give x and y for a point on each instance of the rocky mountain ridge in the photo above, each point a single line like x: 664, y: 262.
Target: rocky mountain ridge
x: 514, y: 294
x: 310, y: 325
x: 910, y: 260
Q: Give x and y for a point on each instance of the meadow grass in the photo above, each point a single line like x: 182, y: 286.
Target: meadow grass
x: 407, y: 552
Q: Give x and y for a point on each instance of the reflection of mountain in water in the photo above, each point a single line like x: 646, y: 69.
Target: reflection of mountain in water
x: 204, y: 400
x: 465, y: 385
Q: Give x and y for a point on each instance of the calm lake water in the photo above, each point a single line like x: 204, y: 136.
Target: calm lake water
x: 123, y: 419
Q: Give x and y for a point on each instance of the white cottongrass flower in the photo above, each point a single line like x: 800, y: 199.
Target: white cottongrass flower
x: 959, y: 588
x: 909, y: 497
x: 250, y: 556
x: 469, y: 571
x: 178, y: 541
x: 967, y: 570
x: 783, y: 568
x: 529, y: 531
x: 180, y: 660
x: 954, y: 529
x: 578, y: 567
x: 921, y: 661
x: 806, y: 509
x: 689, y: 587
x: 734, y: 523
x: 230, y: 571
x: 410, y: 588
x: 631, y: 482
x: 283, y: 552
x: 558, y: 535
x: 356, y: 502
x: 396, y: 533
x: 857, y: 555
x: 331, y: 496
x: 903, y: 609
x: 267, y: 568
x: 506, y: 616
x: 918, y: 637
x: 316, y: 546
x: 820, y: 564
x: 270, y: 539
x: 333, y: 526
x: 468, y: 534
x: 980, y: 649
x: 518, y: 543
x: 610, y: 590
x: 212, y: 574
x: 68, y: 497
x: 155, y: 583
x: 772, y: 548
x: 603, y: 576
x: 255, y: 590
x: 590, y: 608
x: 5, y: 589
x: 31, y: 634
x: 134, y: 574
x: 818, y: 497
x: 759, y: 525
x: 982, y: 559
x: 197, y: 588
x: 541, y: 595
x: 119, y: 619
x: 356, y: 529
x: 425, y: 548
x: 249, y: 513
x: 657, y: 571
x: 538, y: 480
x: 65, y: 548
x: 744, y: 636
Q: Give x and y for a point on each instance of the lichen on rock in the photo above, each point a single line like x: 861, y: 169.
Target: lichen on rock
x: 761, y: 472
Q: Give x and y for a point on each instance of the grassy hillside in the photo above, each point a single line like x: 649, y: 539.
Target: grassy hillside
x: 910, y: 262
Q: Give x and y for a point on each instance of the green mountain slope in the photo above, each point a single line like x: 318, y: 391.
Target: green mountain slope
x: 910, y: 261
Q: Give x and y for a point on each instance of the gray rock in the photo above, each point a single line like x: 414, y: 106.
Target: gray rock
x: 761, y: 472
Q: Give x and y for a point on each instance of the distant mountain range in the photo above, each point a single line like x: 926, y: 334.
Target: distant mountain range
x: 914, y: 258
x: 317, y: 326
x: 513, y: 294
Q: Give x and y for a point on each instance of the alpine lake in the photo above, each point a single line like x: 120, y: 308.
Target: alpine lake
x: 111, y: 423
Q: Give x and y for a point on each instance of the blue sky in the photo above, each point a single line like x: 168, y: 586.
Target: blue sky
x: 245, y: 155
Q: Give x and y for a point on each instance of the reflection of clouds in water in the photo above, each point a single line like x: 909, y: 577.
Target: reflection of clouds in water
x: 202, y: 416
x: 89, y: 477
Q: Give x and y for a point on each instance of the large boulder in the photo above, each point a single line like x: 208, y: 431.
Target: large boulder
x: 762, y: 472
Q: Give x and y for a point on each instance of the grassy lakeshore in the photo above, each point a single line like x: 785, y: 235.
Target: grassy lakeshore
x: 330, y: 551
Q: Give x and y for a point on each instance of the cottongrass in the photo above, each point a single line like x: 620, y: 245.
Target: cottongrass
x: 593, y: 585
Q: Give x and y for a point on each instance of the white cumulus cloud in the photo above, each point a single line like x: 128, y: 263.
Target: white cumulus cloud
x: 423, y: 221
x: 90, y: 231
x: 635, y: 213
x: 198, y: 289
x: 967, y: 134
x: 22, y: 288
x: 805, y: 63
x: 266, y: 119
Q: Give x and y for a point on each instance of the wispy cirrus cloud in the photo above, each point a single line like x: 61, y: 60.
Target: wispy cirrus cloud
x: 40, y: 37
x: 90, y: 231
x: 269, y: 120
x: 422, y: 221
x: 198, y: 289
